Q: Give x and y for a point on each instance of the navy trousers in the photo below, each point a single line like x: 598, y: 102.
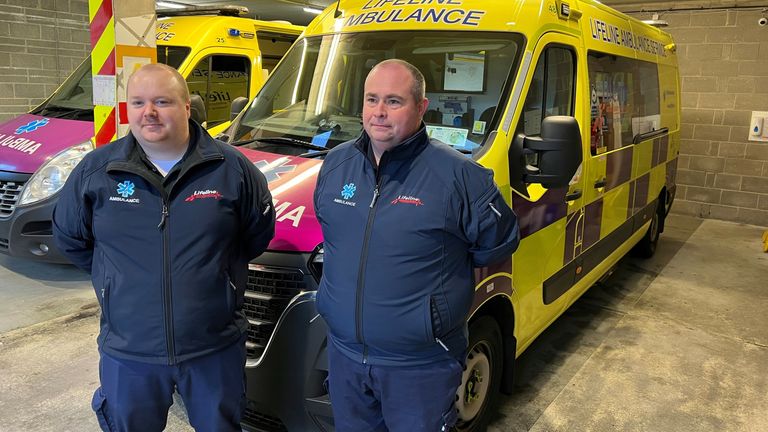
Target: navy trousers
x: 135, y: 396
x: 392, y: 399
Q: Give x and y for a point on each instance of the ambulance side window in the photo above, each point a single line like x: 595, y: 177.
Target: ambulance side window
x: 624, y: 100
x: 219, y: 79
x: 552, y: 89
x: 273, y: 47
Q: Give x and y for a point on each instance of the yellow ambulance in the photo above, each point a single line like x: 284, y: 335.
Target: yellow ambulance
x: 223, y: 56
x: 575, y: 107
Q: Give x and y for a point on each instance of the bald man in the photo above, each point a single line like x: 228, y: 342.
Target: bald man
x: 405, y: 219
x: 166, y: 220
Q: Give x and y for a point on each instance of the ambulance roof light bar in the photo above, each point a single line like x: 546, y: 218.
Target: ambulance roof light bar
x: 235, y: 11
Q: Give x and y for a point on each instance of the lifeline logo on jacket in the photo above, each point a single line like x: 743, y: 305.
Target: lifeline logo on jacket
x: 202, y: 194
x: 125, y: 189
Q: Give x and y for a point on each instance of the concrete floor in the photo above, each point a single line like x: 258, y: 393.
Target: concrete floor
x: 675, y: 343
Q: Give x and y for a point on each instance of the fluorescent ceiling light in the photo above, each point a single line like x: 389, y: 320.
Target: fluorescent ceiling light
x: 655, y: 21
x: 312, y: 10
x: 169, y: 5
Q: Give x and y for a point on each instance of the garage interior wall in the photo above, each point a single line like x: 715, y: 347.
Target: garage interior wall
x: 41, y: 42
x: 723, y: 57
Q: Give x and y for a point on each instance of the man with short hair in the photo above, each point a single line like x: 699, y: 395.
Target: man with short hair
x: 166, y: 220
x: 405, y: 219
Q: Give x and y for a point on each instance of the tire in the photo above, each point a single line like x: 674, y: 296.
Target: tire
x: 647, y: 245
x: 478, y: 393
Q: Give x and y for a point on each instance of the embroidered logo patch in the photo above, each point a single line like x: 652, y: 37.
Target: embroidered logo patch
x: 203, y: 194
x: 125, y: 189
x: 348, y: 191
x: 407, y: 199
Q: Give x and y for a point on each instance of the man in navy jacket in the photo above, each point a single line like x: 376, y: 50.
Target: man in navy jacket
x: 166, y: 220
x: 405, y: 220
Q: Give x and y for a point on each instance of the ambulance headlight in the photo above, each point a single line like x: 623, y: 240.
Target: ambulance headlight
x: 316, y: 263
x: 50, y: 177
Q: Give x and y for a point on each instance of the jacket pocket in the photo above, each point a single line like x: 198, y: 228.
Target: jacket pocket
x: 437, y: 322
x: 105, y: 292
x: 439, y: 314
x: 429, y: 325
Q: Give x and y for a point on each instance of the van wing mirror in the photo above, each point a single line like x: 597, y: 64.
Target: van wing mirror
x: 237, y: 105
x: 550, y: 159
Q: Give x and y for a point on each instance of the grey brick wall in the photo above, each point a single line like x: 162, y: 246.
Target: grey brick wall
x: 723, y: 56
x: 41, y: 42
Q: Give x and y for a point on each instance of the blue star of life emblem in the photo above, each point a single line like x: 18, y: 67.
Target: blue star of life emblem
x: 348, y: 191
x: 126, y: 188
x: 272, y: 171
x: 31, y: 126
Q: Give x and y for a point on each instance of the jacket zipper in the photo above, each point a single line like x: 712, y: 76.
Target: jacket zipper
x: 363, y: 262
x: 166, y: 293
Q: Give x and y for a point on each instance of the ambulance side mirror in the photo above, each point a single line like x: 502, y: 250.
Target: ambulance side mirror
x: 237, y: 105
x: 549, y: 159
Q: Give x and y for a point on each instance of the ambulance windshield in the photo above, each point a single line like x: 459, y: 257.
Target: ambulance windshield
x: 74, y: 99
x: 314, y: 99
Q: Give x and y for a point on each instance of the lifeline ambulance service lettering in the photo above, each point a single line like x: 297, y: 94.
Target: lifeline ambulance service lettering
x: 435, y: 15
x: 19, y: 144
x: 164, y: 35
x: 622, y: 37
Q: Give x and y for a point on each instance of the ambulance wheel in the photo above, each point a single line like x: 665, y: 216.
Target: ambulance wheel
x: 479, y: 390
x: 647, y: 245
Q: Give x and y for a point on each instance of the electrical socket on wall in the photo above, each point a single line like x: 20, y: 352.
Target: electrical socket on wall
x: 758, y: 126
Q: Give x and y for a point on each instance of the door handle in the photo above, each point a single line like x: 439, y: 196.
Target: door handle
x: 573, y: 195
x: 600, y: 183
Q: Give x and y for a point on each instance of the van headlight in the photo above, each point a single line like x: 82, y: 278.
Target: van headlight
x: 50, y: 178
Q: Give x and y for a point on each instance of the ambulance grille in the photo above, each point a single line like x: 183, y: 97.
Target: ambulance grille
x: 9, y: 195
x: 263, y: 422
x: 267, y: 295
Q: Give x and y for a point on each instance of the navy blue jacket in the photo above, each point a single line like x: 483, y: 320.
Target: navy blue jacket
x: 400, y: 244
x: 168, y: 256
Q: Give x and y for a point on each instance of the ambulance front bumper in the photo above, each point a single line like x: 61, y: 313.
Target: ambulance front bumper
x: 27, y: 233
x: 285, y: 386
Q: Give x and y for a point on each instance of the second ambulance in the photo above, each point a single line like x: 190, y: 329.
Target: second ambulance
x: 221, y: 54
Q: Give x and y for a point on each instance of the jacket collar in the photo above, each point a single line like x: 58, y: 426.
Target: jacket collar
x: 201, y: 147
x: 408, y: 149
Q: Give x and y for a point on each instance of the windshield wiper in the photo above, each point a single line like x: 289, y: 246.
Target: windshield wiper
x: 62, y: 112
x: 282, y: 140
x: 314, y: 154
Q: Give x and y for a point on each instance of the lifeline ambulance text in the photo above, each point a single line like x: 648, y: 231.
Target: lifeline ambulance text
x: 612, y: 34
x: 436, y: 15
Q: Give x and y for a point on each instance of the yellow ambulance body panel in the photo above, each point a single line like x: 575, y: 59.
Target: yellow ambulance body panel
x: 226, y: 56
